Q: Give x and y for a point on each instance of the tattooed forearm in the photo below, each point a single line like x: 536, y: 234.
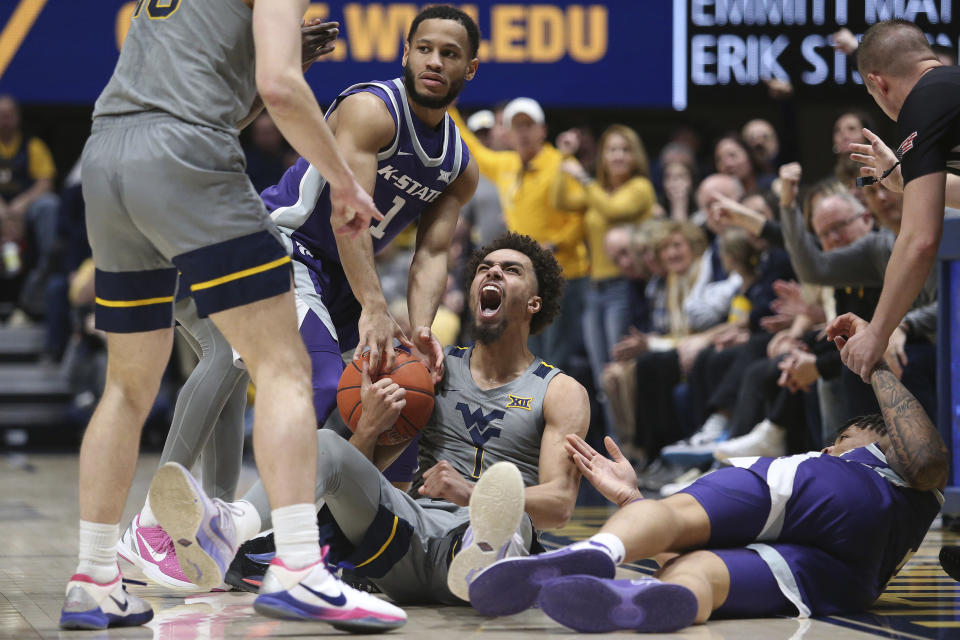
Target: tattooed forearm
x: 917, y: 452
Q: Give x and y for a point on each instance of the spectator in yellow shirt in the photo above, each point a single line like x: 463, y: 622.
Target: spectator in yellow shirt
x: 525, y: 179
x: 28, y: 206
x: 621, y: 194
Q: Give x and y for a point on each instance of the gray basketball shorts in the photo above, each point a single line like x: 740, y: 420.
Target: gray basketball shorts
x: 164, y: 196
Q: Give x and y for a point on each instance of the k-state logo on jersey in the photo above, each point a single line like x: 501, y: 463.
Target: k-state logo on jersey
x: 514, y: 402
x: 478, y: 424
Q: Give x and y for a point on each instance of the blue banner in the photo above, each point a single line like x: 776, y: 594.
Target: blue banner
x: 602, y: 54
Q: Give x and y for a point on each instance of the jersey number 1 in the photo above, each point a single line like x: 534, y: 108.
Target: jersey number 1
x: 157, y: 9
x: 381, y: 227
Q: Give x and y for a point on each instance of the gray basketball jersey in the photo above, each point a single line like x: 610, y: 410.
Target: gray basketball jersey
x: 193, y: 59
x: 472, y: 429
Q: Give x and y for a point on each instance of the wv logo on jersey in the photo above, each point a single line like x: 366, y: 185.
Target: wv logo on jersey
x: 513, y: 402
x: 478, y: 425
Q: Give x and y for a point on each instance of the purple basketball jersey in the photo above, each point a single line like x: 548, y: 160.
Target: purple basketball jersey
x: 412, y: 172
x: 833, y: 530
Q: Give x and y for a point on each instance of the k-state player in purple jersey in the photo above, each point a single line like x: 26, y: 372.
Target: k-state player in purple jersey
x: 403, y: 147
x: 412, y: 173
x: 813, y: 534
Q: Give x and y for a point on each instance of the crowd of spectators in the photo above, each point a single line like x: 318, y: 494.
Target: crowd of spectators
x: 698, y: 287
x: 697, y: 281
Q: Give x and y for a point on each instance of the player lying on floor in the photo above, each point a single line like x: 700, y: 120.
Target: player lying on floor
x: 497, y: 402
x: 811, y: 534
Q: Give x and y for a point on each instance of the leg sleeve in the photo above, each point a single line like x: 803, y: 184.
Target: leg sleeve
x: 222, y: 456
x: 204, y: 394
x: 348, y: 483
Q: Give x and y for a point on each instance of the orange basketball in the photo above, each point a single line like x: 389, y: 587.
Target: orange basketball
x: 409, y: 373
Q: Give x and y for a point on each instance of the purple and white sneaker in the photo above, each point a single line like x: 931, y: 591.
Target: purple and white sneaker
x: 313, y: 593
x: 513, y: 584
x: 593, y: 605
x: 203, y: 531
x: 496, y: 511
x: 92, y: 605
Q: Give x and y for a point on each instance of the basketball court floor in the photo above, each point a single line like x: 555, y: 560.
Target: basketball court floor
x: 38, y: 546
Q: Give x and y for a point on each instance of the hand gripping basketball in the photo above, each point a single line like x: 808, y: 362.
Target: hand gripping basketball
x: 409, y: 373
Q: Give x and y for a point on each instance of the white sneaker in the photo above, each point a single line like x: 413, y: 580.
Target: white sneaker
x: 91, y: 605
x: 203, y: 530
x: 698, y: 448
x: 151, y: 550
x: 313, y: 593
x: 765, y: 440
x: 496, y: 511
x: 684, y: 481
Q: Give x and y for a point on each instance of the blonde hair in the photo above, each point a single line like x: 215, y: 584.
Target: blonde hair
x: 680, y: 284
x: 693, y: 234
x: 641, y: 164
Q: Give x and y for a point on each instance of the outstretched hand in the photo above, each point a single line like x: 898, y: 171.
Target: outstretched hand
x: 876, y: 158
x: 613, y: 477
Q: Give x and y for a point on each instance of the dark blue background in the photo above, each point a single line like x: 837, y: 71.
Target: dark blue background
x: 70, y: 52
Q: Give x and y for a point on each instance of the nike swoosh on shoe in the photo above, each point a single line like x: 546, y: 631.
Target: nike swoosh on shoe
x: 337, y: 601
x: 158, y: 558
x: 123, y: 605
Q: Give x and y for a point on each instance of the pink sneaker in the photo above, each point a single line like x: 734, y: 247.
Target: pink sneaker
x: 152, y: 551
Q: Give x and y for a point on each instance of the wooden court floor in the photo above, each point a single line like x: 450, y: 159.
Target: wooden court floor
x: 38, y: 519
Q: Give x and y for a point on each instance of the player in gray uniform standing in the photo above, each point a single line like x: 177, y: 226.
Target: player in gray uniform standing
x: 166, y: 192
x: 500, y: 420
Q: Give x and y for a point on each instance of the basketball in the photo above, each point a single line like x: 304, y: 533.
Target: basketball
x: 409, y: 373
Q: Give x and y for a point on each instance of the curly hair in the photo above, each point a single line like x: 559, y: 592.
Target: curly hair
x: 550, y: 282
x: 871, y: 422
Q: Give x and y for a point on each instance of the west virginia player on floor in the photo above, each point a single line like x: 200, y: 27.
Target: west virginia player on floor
x: 165, y: 191
x: 811, y: 534
x: 500, y: 419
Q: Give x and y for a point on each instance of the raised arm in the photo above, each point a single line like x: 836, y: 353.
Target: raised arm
x: 317, y: 38
x: 916, y: 452
x: 566, y: 410
x: 566, y: 193
x: 633, y: 200
x: 855, y: 265
x: 913, y: 256
x: 490, y: 162
x: 295, y: 111
x: 428, y: 271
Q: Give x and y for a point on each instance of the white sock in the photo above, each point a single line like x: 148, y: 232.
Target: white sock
x: 247, y: 519
x: 516, y: 547
x: 147, y: 519
x: 295, y: 534
x: 98, y: 550
x: 612, y: 544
